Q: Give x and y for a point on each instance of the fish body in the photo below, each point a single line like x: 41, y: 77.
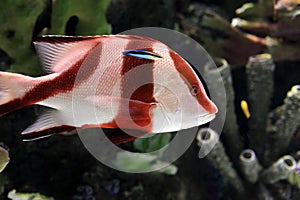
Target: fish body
x: 115, y: 81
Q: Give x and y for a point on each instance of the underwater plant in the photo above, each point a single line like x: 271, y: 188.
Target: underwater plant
x: 147, y: 162
x: 13, y: 195
x: 4, y: 157
x: 23, y: 20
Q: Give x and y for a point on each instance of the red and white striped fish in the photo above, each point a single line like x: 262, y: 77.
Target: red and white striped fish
x: 126, y: 81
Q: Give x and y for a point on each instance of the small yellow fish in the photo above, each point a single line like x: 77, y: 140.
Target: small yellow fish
x: 245, y: 109
x: 4, y: 158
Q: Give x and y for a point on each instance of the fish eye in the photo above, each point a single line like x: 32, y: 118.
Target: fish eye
x: 194, y: 90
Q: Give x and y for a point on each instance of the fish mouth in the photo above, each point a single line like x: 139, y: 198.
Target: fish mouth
x: 203, y: 119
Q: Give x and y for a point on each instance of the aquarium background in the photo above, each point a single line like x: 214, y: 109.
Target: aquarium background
x: 256, y: 46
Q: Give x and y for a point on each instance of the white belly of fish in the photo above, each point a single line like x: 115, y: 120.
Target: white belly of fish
x: 76, y: 111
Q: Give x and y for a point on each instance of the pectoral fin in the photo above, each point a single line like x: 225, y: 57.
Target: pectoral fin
x: 129, y: 114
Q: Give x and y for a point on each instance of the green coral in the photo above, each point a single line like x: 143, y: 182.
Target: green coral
x: 19, y: 18
x: 90, y: 14
x: 4, y: 181
x: 147, y: 162
x: 132, y: 162
x: 294, y: 179
x: 153, y: 143
x: 27, y: 196
x: 4, y: 158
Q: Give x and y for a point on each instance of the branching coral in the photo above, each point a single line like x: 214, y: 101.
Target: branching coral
x: 22, y: 20
x: 260, y: 28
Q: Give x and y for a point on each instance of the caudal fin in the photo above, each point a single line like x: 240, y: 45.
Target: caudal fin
x: 12, y: 88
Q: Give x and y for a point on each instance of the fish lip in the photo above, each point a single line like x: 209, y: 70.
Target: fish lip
x: 203, y: 119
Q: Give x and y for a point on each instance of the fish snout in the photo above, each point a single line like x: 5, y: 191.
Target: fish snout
x: 212, y: 108
x: 209, y: 115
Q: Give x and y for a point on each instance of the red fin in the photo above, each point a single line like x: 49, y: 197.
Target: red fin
x: 132, y: 114
x: 117, y: 136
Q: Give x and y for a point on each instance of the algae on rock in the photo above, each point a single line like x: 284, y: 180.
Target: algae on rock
x: 17, y: 21
x: 230, y: 130
x: 282, y: 129
x: 208, y: 142
x: 249, y: 165
x: 260, y: 71
x: 19, y: 24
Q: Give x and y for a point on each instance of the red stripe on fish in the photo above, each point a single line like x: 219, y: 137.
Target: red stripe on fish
x: 183, y: 68
x: 133, y: 87
x: 133, y: 82
x: 137, y: 37
x: 64, y: 82
x: 47, y: 132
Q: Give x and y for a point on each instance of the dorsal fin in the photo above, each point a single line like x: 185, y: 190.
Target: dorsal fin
x: 62, y: 39
x: 58, y: 52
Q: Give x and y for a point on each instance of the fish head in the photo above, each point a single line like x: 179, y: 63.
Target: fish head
x: 181, y: 98
x: 156, y: 74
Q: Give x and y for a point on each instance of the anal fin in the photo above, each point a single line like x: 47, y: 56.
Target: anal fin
x: 48, y: 124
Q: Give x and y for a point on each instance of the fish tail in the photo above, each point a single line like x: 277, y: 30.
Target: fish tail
x: 12, y: 88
